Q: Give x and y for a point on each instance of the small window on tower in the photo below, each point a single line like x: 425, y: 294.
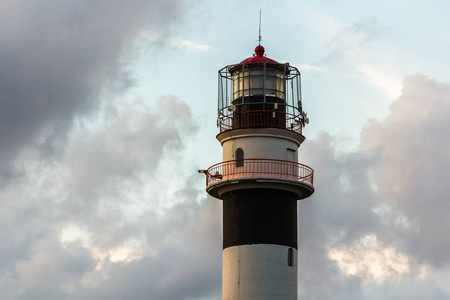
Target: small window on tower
x: 290, y: 257
x: 239, y: 157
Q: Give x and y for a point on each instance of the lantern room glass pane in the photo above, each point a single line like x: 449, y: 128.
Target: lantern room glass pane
x: 253, y: 82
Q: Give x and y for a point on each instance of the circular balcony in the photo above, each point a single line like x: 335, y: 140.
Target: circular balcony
x: 259, y: 173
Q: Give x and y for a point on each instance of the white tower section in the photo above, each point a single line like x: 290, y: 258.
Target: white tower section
x: 260, y: 179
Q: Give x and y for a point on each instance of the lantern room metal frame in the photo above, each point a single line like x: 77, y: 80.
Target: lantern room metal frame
x: 260, y: 94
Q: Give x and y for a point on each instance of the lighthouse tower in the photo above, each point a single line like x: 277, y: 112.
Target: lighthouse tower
x: 260, y: 118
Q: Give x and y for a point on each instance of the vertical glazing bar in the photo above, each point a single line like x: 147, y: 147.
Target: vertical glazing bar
x: 284, y: 84
x: 243, y: 83
x: 300, y: 87
x: 264, y: 84
x: 294, y: 94
x: 286, y: 98
x: 286, y: 94
x: 230, y: 98
x: 221, y: 91
x: 225, y: 101
x: 224, y: 104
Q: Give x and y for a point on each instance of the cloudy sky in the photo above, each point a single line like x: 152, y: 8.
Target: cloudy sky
x: 107, y: 111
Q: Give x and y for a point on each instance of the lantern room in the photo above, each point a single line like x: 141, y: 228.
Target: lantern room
x: 260, y: 93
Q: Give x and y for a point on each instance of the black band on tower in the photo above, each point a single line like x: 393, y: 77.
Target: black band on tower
x: 259, y: 216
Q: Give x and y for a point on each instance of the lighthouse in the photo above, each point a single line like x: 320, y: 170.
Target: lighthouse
x: 260, y: 118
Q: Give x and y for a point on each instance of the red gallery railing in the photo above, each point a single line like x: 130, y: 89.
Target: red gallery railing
x: 258, y: 167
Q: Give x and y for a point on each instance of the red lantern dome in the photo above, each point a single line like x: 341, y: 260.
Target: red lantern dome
x: 259, y: 57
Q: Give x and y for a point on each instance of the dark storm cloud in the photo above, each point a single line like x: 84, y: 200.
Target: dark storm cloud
x: 124, y: 154
x: 57, y: 56
x: 91, y: 189
x: 56, y: 59
x: 408, y: 288
x: 185, y: 262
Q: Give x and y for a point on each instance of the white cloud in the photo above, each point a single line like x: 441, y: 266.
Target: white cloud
x: 368, y: 259
x: 176, y: 43
x: 382, y: 79
x: 313, y: 68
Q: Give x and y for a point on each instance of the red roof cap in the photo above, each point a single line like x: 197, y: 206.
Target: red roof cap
x: 259, y: 51
x: 259, y: 56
